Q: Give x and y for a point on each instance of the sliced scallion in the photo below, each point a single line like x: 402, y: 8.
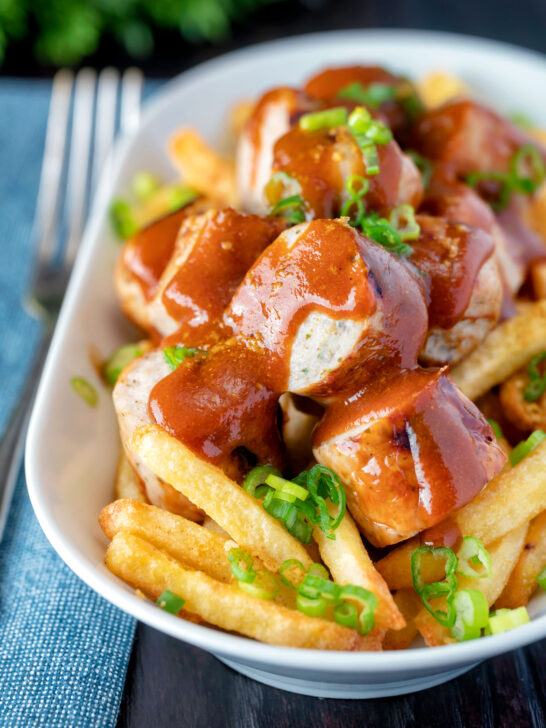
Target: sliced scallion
x: 119, y: 360
x: 85, y: 390
x: 170, y: 602
x: 327, y: 119
x: 523, y: 449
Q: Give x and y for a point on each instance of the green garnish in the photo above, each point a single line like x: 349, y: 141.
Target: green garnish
x: 523, y: 448
x: 368, y: 133
x: 175, y: 355
x: 327, y: 119
x: 241, y: 565
x: 535, y: 389
x: 439, y: 589
x: 472, y: 614
x: 264, y: 585
x: 374, y: 95
x: 144, y: 185
x: 119, y: 360
x: 473, y: 551
x: 291, y: 208
x: 521, y: 120
x: 170, y: 602
x: 85, y: 390
x: 380, y: 230
x: 366, y: 600
x: 299, y: 503
x: 402, y: 219
x: 524, y: 181
x: 504, y: 619
x: 357, y: 187
x: 180, y: 196
x: 123, y: 219
x: 496, y: 428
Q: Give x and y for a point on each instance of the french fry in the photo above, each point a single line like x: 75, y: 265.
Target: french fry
x: 237, y: 512
x: 510, y: 500
x: 409, y: 604
x: 438, y: 87
x: 534, y: 214
x: 507, y: 348
x: 395, y: 567
x: 523, y: 579
x: 349, y: 563
x: 145, y: 567
x: 194, y: 546
x: 504, y: 555
x: 127, y: 483
x: 538, y: 275
x: 202, y: 168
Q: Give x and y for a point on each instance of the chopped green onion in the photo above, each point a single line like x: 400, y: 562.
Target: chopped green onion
x: 402, y: 219
x: 537, y: 385
x: 346, y: 614
x: 496, y: 428
x: 423, y: 164
x: 521, y: 120
x: 523, y: 449
x: 327, y: 119
x: 245, y: 573
x: 317, y: 569
x: 291, y: 564
x: 144, y: 185
x: 374, y: 95
x: 501, y: 179
x: 371, y: 158
x: 503, y: 620
x: 472, y: 614
x: 291, y: 208
x: 288, y: 497
x: 85, y: 390
x: 175, y: 355
x: 438, y: 589
x: 180, y: 196
x: 286, y: 487
x: 380, y: 230
x: 119, y: 360
x: 541, y: 579
x: 254, y: 482
x: 123, y: 219
x: 323, y: 483
x: 473, y: 551
x: 314, y: 586
x: 310, y: 607
x: 170, y: 602
x: 355, y: 198
x: 529, y: 157
x: 264, y: 585
x: 368, y: 132
x: 366, y: 600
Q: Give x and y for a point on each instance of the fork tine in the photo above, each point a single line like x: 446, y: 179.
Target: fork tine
x: 78, y: 166
x: 105, y: 125
x: 131, y: 91
x: 47, y: 205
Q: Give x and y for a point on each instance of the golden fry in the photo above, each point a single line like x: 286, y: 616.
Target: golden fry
x: 526, y: 416
x: 504, y: 555
x: 438, y: 87
x: 146, y: 568
x: 349, y: 563
x: 409, y: 604
x: 194, y: 546
x: 127, y: 484
x: 505, y: 350
x: 202, y: 168
x: 237, y: 512
x: 523, y: 579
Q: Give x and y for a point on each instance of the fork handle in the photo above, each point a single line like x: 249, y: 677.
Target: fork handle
x: 12, y: 443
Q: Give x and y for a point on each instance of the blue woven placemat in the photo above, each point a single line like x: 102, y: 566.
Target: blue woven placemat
x: 63, y: 649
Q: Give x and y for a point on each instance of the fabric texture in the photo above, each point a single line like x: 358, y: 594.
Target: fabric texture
x: 63, y: 649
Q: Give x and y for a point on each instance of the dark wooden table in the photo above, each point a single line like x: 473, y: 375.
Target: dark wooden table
x: 170, y: 684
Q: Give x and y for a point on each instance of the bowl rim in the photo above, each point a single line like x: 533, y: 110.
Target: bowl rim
x: 123, y: 597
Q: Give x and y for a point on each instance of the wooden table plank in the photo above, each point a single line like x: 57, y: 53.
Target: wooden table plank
x: 172, y: 684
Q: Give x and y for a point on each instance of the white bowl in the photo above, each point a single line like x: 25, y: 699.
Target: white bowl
x: 72, y: 449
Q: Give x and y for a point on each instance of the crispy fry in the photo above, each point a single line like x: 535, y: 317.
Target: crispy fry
x: 202, y: 168
x: 144, y: 567
x: 395, y: 567
x: 438, y: 87
x: 538, y: 275
x: 504, y: 554
x: 194, y: 546
x: 526, y: 416
x: 510, y: 500
x: 409, y: 604
x: 523, y: 579
x: 503, y: 351
x: 222, y: 499
x: 127, y: 484
x: 349, y: 563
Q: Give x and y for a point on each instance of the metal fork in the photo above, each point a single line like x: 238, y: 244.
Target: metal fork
x: 79, y: 105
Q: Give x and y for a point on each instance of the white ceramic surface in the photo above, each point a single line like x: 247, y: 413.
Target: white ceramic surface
x: 72, y: 449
